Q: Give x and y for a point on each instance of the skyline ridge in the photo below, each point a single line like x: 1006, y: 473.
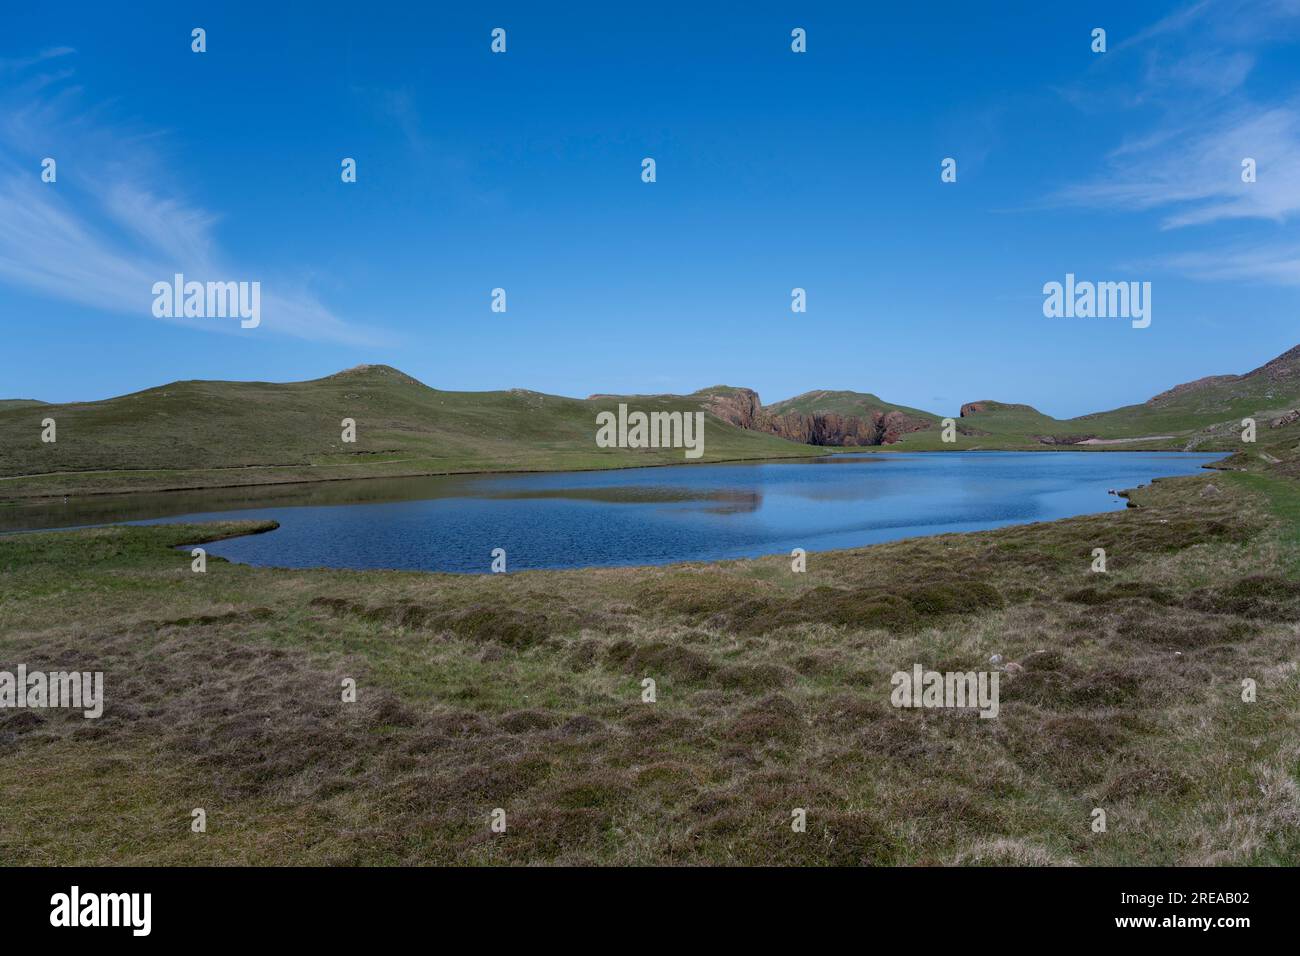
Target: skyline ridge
x: 776, y: 170
x: 1291, y: 355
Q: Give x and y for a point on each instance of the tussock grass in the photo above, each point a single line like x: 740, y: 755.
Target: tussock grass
x: 523, y: 691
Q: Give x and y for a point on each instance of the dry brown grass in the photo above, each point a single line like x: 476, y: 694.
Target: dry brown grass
x: 523, y: 692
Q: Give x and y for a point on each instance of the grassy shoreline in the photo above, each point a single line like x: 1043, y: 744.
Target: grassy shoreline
x: 136, y: 486
x: 198, y: 435
x: 522, y: 691
x: 31, y: 489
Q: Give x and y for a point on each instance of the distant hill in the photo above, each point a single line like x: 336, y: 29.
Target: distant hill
x: 196, y: 434
x: 200, y: 434
x: 1268, y: 391
x: 835, y: 418
x: 1204, y: 414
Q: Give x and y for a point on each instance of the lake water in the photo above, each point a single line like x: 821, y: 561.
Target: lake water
x: 649, y: 515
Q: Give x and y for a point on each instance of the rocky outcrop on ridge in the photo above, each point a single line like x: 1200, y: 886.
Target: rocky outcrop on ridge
x: 743, y: 408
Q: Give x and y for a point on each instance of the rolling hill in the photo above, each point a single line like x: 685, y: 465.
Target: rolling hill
x: 839, y: 418
x: 198, y: 434
x: 1264, y: 393
x: 1203, y: 415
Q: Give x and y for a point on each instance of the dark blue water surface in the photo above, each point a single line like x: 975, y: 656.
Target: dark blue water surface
x: 690, y: 513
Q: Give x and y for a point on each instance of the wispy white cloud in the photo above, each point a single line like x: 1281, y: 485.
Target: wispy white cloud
x: 163, y: 223
x: 1194, y: 171
x: 104, y: 236
x: 1175, y: 22
x: 1188, y: 77
x: 1221, y: 21
x: 1267, y: 264
x: 45, y: 248
x: 1212, y: 73
x: 19, y: 64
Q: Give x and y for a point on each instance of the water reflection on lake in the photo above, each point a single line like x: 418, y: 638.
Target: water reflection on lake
x: 640, y: 516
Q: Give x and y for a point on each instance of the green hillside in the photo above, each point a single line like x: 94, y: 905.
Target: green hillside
x: 1204, y: 415
x: 843, y: 403
x: 207, y: 434
x: 997, y: 425
x: 1276, y: 449
x: 1266, y: 392
x: 195, y: 434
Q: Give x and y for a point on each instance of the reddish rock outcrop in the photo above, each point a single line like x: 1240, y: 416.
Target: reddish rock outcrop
x: 741, y: 407
x: 1283, y: 368
x: 1286, y: 419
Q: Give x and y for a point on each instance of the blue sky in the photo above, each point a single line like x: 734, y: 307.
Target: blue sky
x: 774, y: 170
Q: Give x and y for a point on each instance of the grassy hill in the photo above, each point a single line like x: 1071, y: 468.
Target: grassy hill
x: 206, y: 434
x: 989, y: 425
x: 197, y: 435
x: 1203, y: 415
x: 1264, y: 393
x: 843, y: 403
x: 832, y: 419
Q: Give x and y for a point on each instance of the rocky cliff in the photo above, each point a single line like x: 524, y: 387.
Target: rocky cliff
x: 742, y: 407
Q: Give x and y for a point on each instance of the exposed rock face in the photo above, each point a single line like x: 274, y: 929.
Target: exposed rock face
x: 1281, y: 371
x: 970, y: 408
x: 1063, y: 439
x: 1201, y: 383
x: 1286, y: 419
x: 742, y: 407
x: 827, y: 429
x: 1283, y: 368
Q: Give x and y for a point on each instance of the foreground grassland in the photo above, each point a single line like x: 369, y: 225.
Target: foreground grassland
x: 522, y: 691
